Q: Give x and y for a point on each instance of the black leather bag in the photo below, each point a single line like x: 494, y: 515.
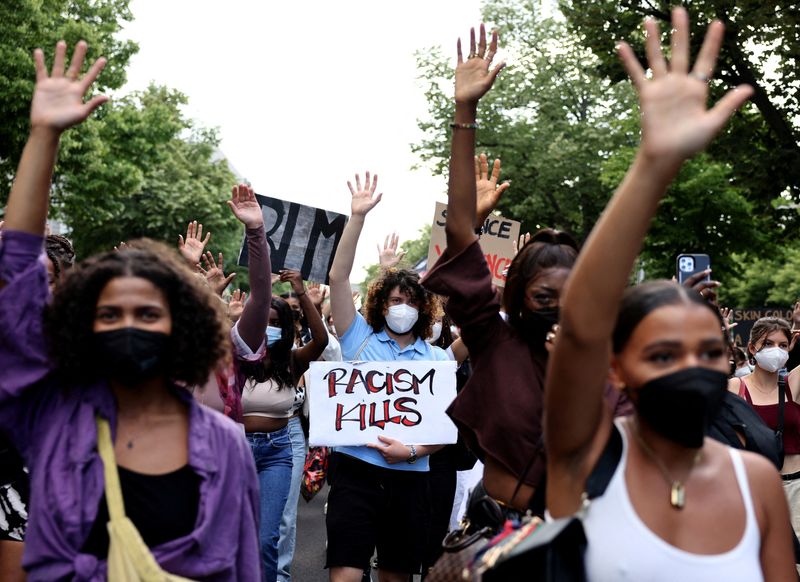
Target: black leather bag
x: 553, y: 551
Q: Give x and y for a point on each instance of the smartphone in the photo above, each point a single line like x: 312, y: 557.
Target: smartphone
x: 691, y: 264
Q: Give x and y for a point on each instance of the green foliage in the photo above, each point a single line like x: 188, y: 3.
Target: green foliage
x: 769, y: 281
x: 760, y: 48
x: 140, y: 168
x: 28, y: 24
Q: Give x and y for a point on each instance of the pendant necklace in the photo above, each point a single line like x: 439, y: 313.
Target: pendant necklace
x: 677, y: 493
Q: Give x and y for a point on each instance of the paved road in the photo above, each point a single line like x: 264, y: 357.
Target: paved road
x: 309, y: 556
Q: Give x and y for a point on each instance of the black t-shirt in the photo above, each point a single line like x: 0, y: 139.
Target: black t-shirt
x: 162, y: 507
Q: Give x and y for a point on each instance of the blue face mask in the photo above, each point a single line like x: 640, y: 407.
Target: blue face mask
x: 274, y: 334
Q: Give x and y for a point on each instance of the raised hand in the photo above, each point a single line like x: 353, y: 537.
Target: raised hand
x: 317, y: 293
x: 473, y: 77
x: 194, y: 244
x: 706, y: 288
x: 214, y: 272
x: 489, y: 192
x: 236, y: 305
x: 523, y: 240
x: 675, y: 121
x: 295, y: 279
x: 364, y: 199
x: 245, y: 207
x: 388, y: 256
x: 57, y: 102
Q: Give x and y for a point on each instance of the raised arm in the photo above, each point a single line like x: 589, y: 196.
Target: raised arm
x: 675, y: 126
x: 57, y: 105
x: 364, y: 200
x: 255, y: 316
x: 473, y: 80
x: 319, y: 335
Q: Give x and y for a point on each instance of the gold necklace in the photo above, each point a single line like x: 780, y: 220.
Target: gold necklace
x: 677, y: 493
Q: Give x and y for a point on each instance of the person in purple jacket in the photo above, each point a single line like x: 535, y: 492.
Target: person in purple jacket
x: 125, y: 333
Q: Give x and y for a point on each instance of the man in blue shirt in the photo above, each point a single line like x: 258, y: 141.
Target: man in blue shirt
x: 379, y: 493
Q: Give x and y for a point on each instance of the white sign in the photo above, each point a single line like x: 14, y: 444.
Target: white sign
x: 352, y: 403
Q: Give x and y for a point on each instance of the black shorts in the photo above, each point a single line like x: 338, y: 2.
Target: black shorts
x: 372, y: 507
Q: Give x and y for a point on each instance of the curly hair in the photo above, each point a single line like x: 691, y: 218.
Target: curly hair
x: 547, y: 249
x: 199, y: 338
x: 61, y: 253
x: 408, y: 282
x: 278, y: 366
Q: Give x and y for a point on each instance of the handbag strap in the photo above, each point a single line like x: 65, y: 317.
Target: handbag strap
x: 606, y: 465
x: 781, y: 395
x: 116, y: 508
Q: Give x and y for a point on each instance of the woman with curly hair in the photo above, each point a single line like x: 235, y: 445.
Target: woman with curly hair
x: 126, y: 332
x: 379, y: 493
x: 268, y: 373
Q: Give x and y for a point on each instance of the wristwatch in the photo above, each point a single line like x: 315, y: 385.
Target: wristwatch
x: 413, y: 458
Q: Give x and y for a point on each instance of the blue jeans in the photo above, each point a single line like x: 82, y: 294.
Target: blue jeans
x: 272, y: 452
x: 289, y: 520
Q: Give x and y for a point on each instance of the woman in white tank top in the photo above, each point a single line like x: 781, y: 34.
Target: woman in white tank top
x: 679, y: 506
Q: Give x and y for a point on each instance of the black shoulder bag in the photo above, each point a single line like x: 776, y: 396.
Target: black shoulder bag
x: 779, y: 428
x: 553, y: 551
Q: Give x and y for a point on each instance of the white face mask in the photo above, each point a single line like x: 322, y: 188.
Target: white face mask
x: 743, y: 371
x: 401, y: 318
x: 436, y: 332
x: 772, y: 359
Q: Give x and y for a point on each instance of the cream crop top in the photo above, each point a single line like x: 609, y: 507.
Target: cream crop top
x: 264, y: 399
x: 621, y: 547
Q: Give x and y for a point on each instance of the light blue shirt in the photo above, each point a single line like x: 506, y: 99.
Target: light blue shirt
x: 361, y: 343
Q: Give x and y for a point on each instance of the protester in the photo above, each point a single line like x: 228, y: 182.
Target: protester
x: 684, y: 506
x: 379, y: 493
x: 125, y: 331
x: 770, y: 342
x: 499, y: 412
x: 269, y: 370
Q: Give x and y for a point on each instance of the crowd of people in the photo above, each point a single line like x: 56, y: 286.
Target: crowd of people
x: 154, y: 422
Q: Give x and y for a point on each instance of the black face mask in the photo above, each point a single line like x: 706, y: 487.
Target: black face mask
x: 681, y: 406
x: 538, y: 324
x: 130, y: 355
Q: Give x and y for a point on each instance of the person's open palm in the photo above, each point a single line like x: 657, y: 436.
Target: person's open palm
x: 245, y: 207
x: 675, y: 121
x: 364, y: 199
x: 57, y: 102
x: 473, y: 75
x: 192, y: 247
x: 487, y: 188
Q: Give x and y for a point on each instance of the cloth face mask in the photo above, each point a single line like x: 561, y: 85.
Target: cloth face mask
x: 401, y: 318
x: 772, y: 359
x: 680, y: 406
x: 130, y: 355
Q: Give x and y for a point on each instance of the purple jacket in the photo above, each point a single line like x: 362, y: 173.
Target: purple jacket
x: 54, y: 430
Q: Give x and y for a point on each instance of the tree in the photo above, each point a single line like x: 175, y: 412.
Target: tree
x: 140, y: 168
x: 761, y: 49
x: 28, y: 24
x: 566, y: 134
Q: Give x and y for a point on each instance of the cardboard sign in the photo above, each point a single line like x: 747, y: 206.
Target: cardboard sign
x: 746, y: 318
x: 300, y: 237
x: 351, y: 403
x: 496, y: 242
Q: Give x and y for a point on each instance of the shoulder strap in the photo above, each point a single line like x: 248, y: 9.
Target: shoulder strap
x: 781, y: 394
x: 601, y: 475
x: 742, y: 389
x: 361, y: 348
x: 116, y: 508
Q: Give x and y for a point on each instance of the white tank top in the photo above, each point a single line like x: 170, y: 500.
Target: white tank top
x: 621, y: 547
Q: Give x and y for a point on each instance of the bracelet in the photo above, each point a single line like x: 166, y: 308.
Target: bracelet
x: 464, y: 125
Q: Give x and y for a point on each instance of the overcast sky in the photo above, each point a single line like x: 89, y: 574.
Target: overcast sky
x: 305, y: 94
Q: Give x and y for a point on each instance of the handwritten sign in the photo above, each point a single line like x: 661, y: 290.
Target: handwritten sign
x: 496, y: 242
x: 300, y: 237
x: 352, y: 403
x: 746, y: 318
